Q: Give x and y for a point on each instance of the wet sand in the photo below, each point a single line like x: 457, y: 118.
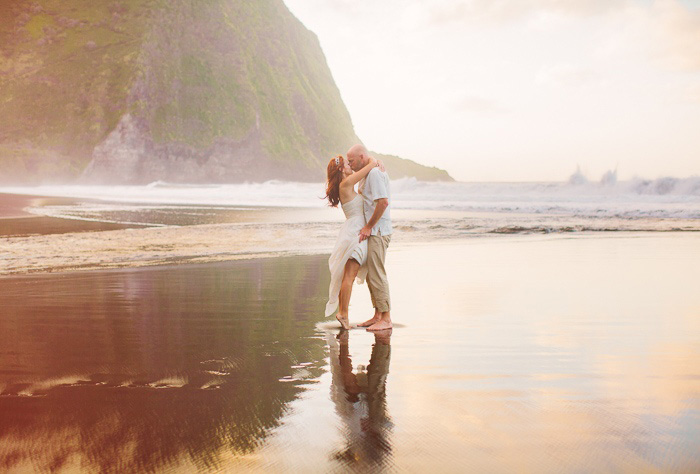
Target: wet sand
x: 519, y: 353
x: 116, y: 235
x: 39, y: 244
x: 83, y: 234
x: 16, y: 221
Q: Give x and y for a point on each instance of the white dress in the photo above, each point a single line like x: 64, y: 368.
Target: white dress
x: 347, y: 246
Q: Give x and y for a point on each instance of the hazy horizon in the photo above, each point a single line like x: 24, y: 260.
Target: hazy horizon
x: 571, y: 178
x: 577, y: 176
x: 495, y: 91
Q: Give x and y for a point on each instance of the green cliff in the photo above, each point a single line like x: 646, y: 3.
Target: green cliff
x: 133, y: 91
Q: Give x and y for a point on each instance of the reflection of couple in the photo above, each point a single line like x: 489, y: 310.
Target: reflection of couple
x: 360, y: 401
x: 364, y: 237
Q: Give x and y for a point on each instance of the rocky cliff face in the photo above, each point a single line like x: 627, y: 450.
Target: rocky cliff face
x: 133, y: 91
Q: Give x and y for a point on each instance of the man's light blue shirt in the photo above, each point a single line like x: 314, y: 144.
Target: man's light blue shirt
x: 376, y: 186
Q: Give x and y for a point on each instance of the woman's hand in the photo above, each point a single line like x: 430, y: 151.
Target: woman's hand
x: 380, y: 164
x: 364, y: 233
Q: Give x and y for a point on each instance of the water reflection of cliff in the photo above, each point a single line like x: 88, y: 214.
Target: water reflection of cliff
x: 359, y: 395
x: 140, y: 370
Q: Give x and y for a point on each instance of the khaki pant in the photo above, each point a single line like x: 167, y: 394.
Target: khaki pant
x: 376, y: 274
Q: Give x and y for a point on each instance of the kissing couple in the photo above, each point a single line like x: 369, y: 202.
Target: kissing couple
x: 360, y: 250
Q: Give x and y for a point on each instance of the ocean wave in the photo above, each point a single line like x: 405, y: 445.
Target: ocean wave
x: 638, y: 198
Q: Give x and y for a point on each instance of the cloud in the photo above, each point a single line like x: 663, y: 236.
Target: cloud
x: 353, y: 10
x: 566, y: 75
x: 669, y: 30
x: 479, y: 105
x: 691, y: 94
x: 499, y: 11
x: 677, y: 28
x: 440, y: 12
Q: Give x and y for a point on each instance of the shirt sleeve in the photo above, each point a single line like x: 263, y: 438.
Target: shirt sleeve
x: 377, y: 185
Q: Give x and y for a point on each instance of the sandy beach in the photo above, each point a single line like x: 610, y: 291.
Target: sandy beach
x: 532, y: 353
x: 196, y: 197
x: 36, y: 243
x: 40, y: 234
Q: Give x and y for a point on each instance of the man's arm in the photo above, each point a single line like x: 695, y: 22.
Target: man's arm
x: 381, y: 205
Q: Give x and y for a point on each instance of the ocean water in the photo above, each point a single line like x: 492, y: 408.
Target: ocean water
x: 437, y: 209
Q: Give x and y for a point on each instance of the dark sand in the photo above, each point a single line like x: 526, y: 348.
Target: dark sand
x: 143, y: 370
x: 84, y: 234
x: 15, y: 221
x: 527, y: 354
x: 12, y: 205
x: 152, y: 235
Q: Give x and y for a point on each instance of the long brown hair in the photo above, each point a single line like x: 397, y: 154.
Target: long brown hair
x: 334, y: 172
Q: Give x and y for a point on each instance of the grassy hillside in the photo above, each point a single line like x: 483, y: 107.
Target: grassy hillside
x: 403, y: 168
x: 66, y: 71
x: 235, y: 67
x: 179, y: 90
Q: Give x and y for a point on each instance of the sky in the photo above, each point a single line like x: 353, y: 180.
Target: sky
x: 519, y: 90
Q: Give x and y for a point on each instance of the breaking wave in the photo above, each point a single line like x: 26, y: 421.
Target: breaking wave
x: 677, y: 198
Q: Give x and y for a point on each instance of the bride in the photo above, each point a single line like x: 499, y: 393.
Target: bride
x: 347, y: 261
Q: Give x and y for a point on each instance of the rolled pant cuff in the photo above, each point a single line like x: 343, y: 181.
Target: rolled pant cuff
x: 383, y: 307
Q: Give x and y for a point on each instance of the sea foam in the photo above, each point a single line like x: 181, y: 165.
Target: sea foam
x: 660, y: 198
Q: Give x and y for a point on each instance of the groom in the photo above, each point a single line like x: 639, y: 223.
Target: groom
x: 375, y: 195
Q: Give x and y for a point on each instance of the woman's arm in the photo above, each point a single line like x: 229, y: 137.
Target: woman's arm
x: 355, y: 178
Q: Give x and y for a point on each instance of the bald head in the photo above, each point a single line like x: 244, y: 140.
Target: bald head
x: 357, y: 157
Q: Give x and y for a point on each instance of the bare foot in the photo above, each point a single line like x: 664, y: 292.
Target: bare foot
x: 370, y: 322
x: 343, y: 320
x: 380, y: 326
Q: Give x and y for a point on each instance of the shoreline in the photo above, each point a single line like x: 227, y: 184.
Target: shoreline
x: 16, y: 222
x: 40, y: 244
x: 109, y: 261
